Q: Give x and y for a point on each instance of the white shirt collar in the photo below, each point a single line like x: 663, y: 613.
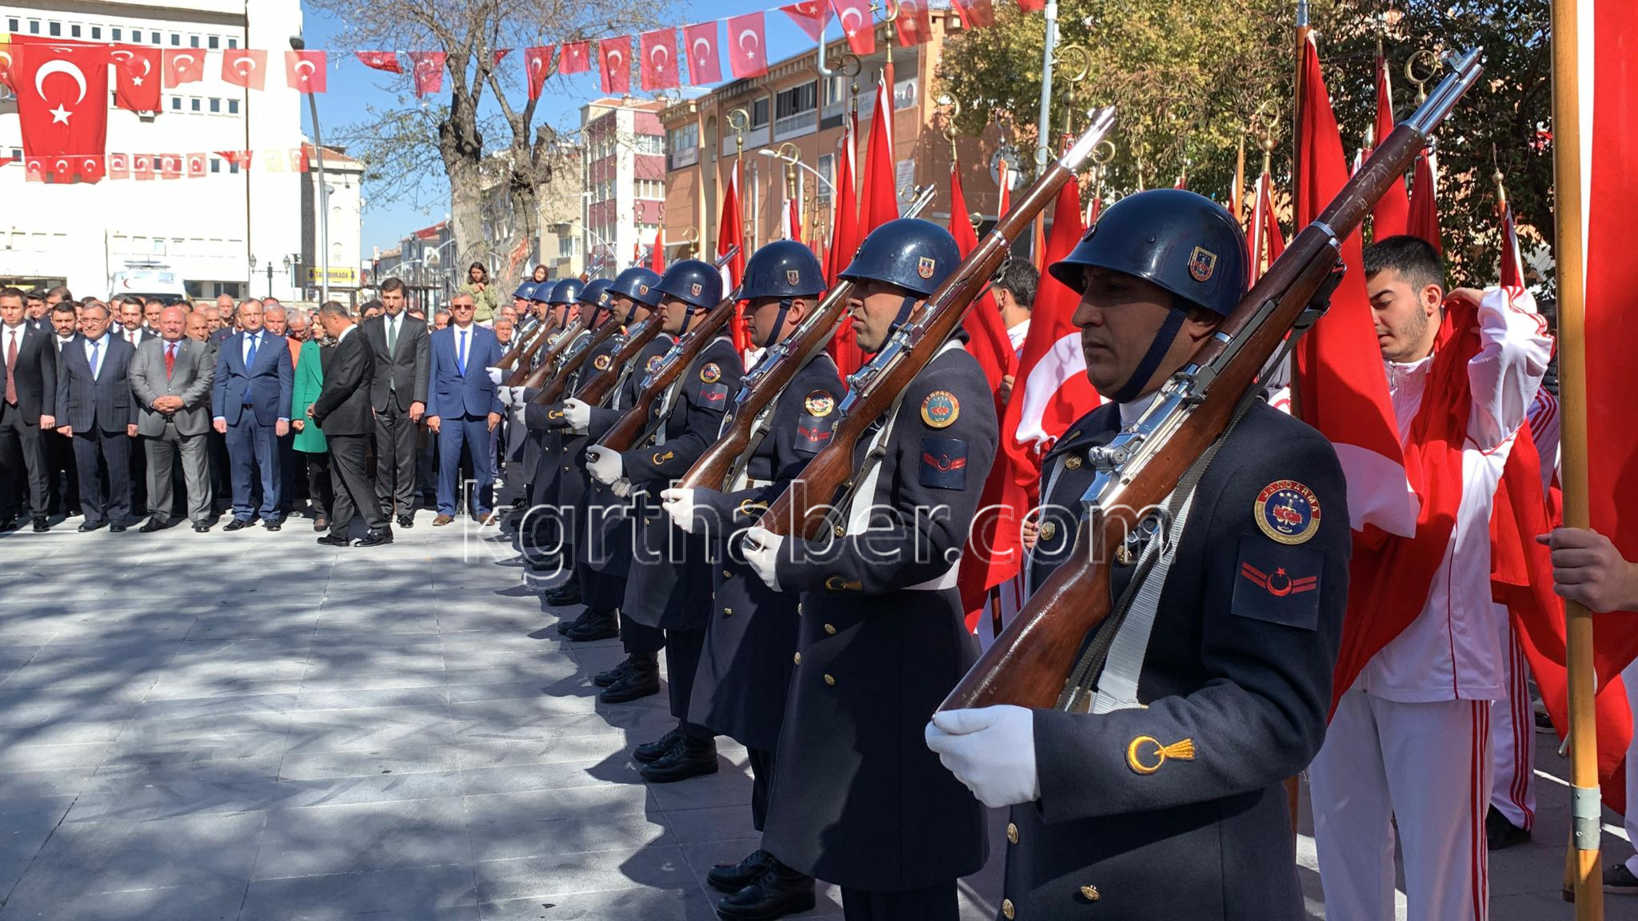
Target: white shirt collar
x: 1133, y: 411
x: 345, y: 332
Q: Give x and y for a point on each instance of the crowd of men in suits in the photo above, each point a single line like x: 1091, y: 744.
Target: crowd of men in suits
x: 102, y: 398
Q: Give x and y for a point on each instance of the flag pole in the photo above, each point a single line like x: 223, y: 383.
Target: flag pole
x: 1571, y: 262
x: 1296, y: 162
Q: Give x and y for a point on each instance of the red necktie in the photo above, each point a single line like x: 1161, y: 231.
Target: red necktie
x: 170, y: 358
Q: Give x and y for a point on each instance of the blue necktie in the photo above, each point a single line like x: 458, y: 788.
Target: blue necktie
x: 250, y: 358
x: 96, y: 365
x: 460, y: 354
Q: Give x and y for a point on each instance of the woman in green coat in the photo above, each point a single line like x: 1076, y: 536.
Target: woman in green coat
x: 309, y: 439
x: 485, y: 301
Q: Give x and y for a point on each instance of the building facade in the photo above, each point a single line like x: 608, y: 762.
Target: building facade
x: 217, y: 233
x: 344, y: 179
x: 624, y: 181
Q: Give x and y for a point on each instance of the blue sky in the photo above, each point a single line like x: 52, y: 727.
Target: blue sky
x: 352, y: 85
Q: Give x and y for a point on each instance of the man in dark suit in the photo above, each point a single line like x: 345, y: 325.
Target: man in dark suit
x: 28, y: 407
x: 96, y: 408
x: 250, y: 403
x: 61, y: 475
x: 462, y: 406
x: 398, y: 395
x: 343, y: 411
x: 171, y: 379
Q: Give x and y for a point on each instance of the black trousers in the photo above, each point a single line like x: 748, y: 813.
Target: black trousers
x: 113, y: 450
x: 934, y: 903
x: 351, y: 481
x: 22, y: 451
x: 762, y: 769
x: 221, y: 480
x: 395, y: 456
x: 682, y: 659
x: 320, y: 491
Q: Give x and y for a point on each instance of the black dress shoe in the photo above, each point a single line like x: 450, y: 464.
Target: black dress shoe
x: 1500, y: 834
x: 237, y: 524
x: 273, y: 524
x: 152, y: 525
x: 117, y: 527
x: 374, y: 538
x: 406, y: 521
x: 91, y: 526
x: 596, y: 625
x: 564, y: 626
x: 732, y: 877
x: 689, y: 758
x: 650, y: 752
x: 604, y: 679
x: 334, y: 540
x: 641, y: 680
x: 564, y: 595
x: 10, y: 523
x: 41, y: 524
x: 778, y: 892
x: 201, y: 527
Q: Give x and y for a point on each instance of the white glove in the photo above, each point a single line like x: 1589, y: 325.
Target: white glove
x: 578, y: 415
x: 494, y: 375
x: 517, y: 396
x: 762, y: 553
x: 679, y: 504
x: 991, y: 750
x: 603, y: 464
x: 504, y: 395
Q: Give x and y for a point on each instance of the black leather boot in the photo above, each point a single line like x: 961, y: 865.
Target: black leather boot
x: 641, y: 680
x: 594, y: 625
x: 604, y: 679
x: 564, y: 595
x: 689, y: 758
x: 732, y: 877
x: 650, y: 752
x: 778, y: 892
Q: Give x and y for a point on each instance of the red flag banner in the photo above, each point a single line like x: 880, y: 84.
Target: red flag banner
x: 119, y: 166
x: 1392, y: 209
x: 92, y: 169
x: 730, y: 233
x: 810, y: 16
x: 880, y: 203
x: 575, y: 59
x: 239, y: 158
x: 986, y: 338
x: 498, y: 55
x: 136, y: 77
x: 196, y: 165
x: 62, y: 98
x: 614, y: 64
x: 1052, y: 389
x: 659, y: 69
x: 304, y: 71
x: 1423, y: 218
x: 170, y: 166
x: 1032, y: 6
x: 537, y: 63
x: 747, y: 45
x: 380, y: 60
x: 975, y: 14
x: 656, y: 256
x: 860, y: 29
x: 142, y: 166
x: 427, y: 71
x: 704, y: 64
x: 244, y: 67
x: 184, y: 65
x: 914, y: 25
x: 844, y: 241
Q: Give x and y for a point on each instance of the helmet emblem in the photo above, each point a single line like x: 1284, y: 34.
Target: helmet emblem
x: 1202, y: 263
x: 925, y: 266
x: 642, y: 289
x: 695, y: 289
x: 793, y: 276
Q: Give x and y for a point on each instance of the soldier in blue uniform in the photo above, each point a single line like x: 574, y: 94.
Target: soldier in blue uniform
x: 739, y: 686
x: 670, y: 583
x: 539, y: 531
x: 1166, y: 799
x: 857, y: 798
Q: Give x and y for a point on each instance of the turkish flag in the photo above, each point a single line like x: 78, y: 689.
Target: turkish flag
x: 240, y: 158
x: 381, y: 60
x: 1423, y: 218
x: 300, y: 162
x: 1264, y: 241
x: 576, y: 58
x: 731, y: 233
x: 196, y: 165
x: 93, y: 168
x: 914, y: 25
x: 880, y: 203
x: 427, y: 70
x: 844, y: 242
x: 170, y: 166
x: 245, y: 67
x: 614, y: 64
x: 659, y: 59
x: 62, y: 98
x: 1389, y: 217
x: 5, y: 60
x: 304, y: 71
x: 498, y: 55
x: 136, y: 77
x: 747, y: 45
x: 986, y: 338
x: 809, y: 15
x: 656, y: 256
x: 142, y: 166
x: 33, y: 170
x: 856, y: 25
x: 704, y: 64
x: 184, y: 65
x: 975, y: 14
x: 119, y: 166
x: 537, y: 66
x: 1032, y: 6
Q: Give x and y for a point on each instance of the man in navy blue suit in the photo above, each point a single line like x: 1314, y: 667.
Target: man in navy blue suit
x: 95, y: 407
x: 462, y: 406
x: 250, y: 403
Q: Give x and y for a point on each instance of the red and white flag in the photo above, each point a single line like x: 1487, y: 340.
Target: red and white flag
x: 975, y: 14
x: 659, y: 49
x: 1032, y: 6
x: 304, y: 71
x: 92, y: 168
x: 380, y: 60
x: 704, y: 64
x: 136, y: 77
x: 170, y: 166
x: 537, y: 65
x: 987, y: 338
x: 731, y: 233
x: 575, y: 58
x: 239, y: 158
x: 810, y: 16
x: 119, y: 166
x: 614, y: 64
x: 184, y: 65
x: 1389, y: 217
x: 62, y: 99
x: 1052, y: 389
x: 747, y: 45
x: 196, y: 165
x: 427, y: 71
x: 914, y: 25
x: 860, y: 29
x: 844, y: 242
x: 498, y: 55
x: 244, y: 67
x: 1264, y: 241
x: 142, y: 166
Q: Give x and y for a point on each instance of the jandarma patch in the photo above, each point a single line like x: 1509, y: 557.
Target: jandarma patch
x: 1287, y: 511
x: 940, y: 409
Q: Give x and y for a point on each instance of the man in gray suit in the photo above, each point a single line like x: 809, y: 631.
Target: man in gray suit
x: 398, y: 395
x: 171, y: 377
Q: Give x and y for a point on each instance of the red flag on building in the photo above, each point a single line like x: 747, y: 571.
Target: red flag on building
x: 704, y: 64
x: 1392, y: 210
x: 304, y: 71
x: 914, y: 26
x: 860, y: 29
x: 659, y: 69
x: 62, y: 99
x: 119, y: 166
x: 975, y: 14
x: 537, y: 65
x: 747, y: 45
x: 810, y: 16
x: 427, y: 71
x: 244, y: 67
x: 136, y: 77
x: 170, y: 166
x: 196, y: 165
x: 184, y: 65
x: 880, y: 203
x: 380, y: 60
x: 142, y: 166
x: 1423, y: 219
x: 844, y: 242
x: 575, y: 59
x: 614, y: 64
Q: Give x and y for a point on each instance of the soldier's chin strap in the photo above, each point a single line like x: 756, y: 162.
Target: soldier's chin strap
x: 1133, y: 388
x: 906, y: 307
x: 779, y: 323
x: 687, y: 316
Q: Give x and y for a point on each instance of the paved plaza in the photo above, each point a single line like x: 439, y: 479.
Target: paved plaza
x: 250, y: 726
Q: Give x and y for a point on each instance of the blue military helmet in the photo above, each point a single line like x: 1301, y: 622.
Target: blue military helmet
x: 525, y: 289
x: 913, y: 254
x: 693, y: 282
x: 636, y: 283
x: 566, y: 291
x: 782, y: 269
x: 593, y: 293
x: 1175, y: 239
x: 541, y: 292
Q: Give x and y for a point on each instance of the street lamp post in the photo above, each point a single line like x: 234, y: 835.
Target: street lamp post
x: 297, y: 44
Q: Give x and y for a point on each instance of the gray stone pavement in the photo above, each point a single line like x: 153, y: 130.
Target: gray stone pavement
x: 250, y: 726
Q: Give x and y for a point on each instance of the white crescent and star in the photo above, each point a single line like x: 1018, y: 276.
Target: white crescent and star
x: 700, y: 55
x: 537, y: 63
x: 245, y: 65
x: 59, y: 115
x: 857, y: 16
x: 661, y: 56
x: 311, y: 67
x: 752, y: 52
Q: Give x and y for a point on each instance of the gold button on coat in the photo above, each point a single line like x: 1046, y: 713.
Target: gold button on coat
x: 830, y: 629
x: 727, y: 612
x: 797, y: 658
x: 1090, y: 893
x: 1007, y: 911
x: 830, y: 680
x: 1012, y: 833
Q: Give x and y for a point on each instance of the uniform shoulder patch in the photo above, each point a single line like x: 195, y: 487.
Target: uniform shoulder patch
x: 943, y: 462
x: 1277, y: 583
x: 1287, y: 511
x: 602, y: 362
x: 940, y: 409
x: 812, y: 433
x: 819, y: 403
x: 714, y: 395
x: 653, y: 364
x: 711, y: 373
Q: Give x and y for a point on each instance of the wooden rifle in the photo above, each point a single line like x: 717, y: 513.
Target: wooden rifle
x: 553, y: 352
x: 577, y: 358
x: 1029, y: 663
x: 752, y: 411
x: 802, y: 509
x: 525, y: 361
x: 525, y: 336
